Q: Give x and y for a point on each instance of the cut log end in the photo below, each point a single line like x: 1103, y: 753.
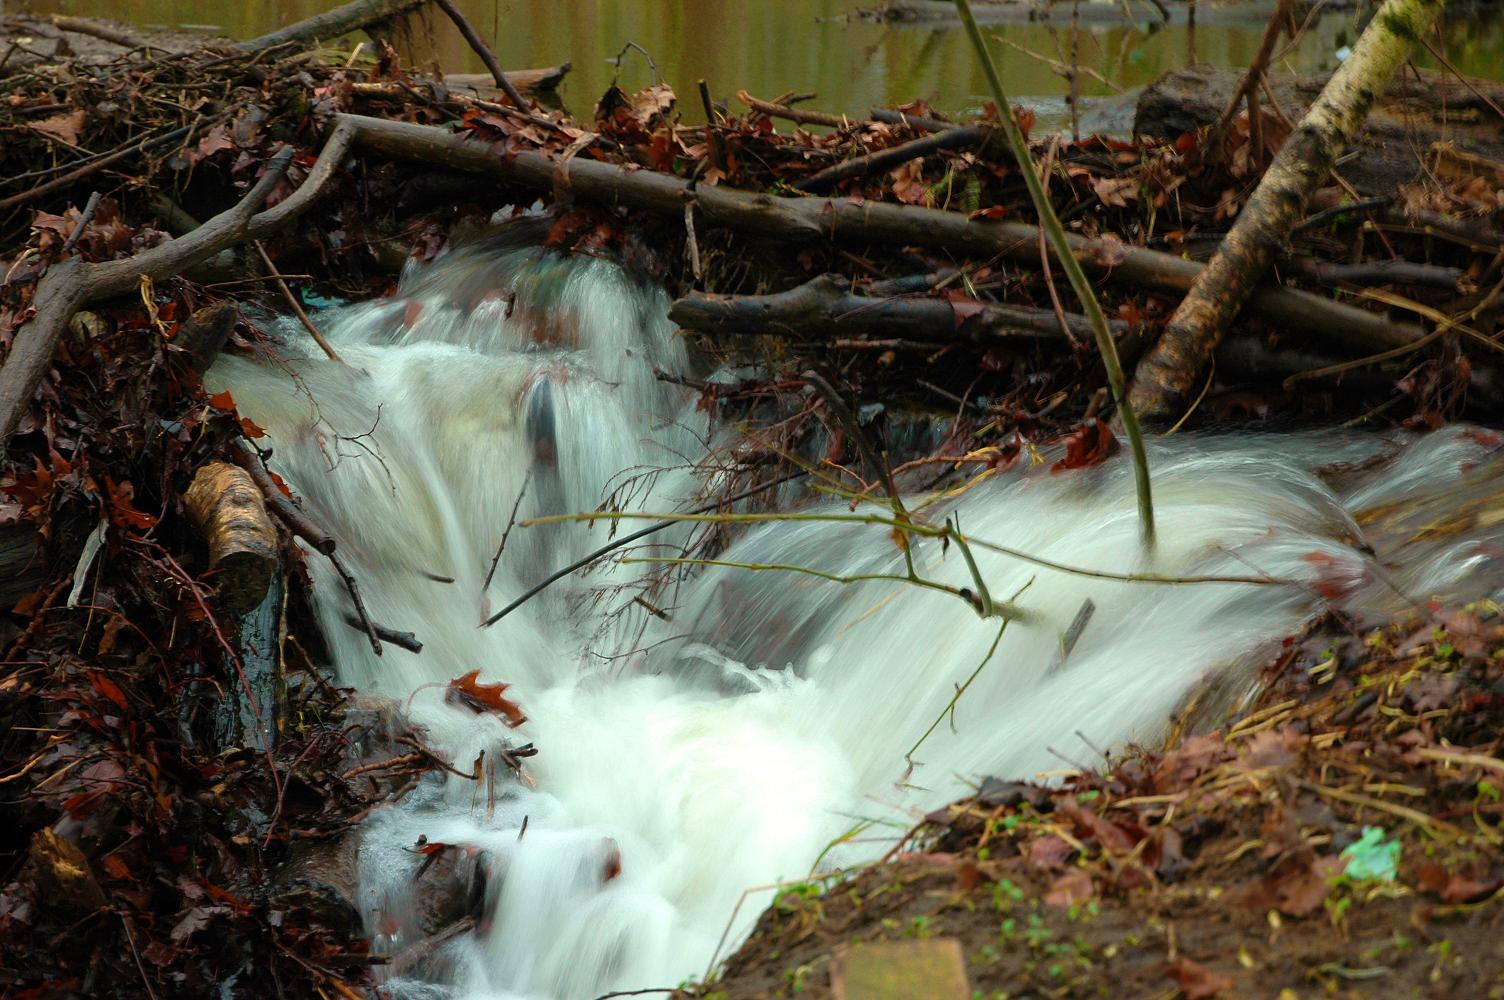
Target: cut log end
x: 226, y: 506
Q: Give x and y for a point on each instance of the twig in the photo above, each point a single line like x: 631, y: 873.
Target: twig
x: 484, y: 51
x: 297, y: 521
x: 83, y: 223
x: 360, y: 607
x: 666, y: 522
x: 887, y: 159
x: 950, y: 705
x: 402, y: 640
x: 507, y: 533
x: 1441, y: 58
x: 297, y: 307
x: 131, y: 937
x: 794, y: 114
x: 93, y: 166
x: 1044, y: 255
x: 1004, y: 610
x: 916, y: 527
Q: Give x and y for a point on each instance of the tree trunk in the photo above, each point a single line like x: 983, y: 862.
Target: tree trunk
x: 1168, y: 373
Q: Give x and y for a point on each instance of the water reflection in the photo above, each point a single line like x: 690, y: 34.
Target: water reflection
x: 772, y: 46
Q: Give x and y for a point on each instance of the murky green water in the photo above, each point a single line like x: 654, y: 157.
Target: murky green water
x: 769, y: 47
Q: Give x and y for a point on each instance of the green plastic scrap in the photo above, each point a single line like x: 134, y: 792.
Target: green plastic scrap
x: 1371, y: 858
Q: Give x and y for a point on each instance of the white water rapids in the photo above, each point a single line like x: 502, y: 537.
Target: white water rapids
x: 732, y: 744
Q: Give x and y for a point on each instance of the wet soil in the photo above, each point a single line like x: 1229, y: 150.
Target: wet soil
x: 1229, y: 864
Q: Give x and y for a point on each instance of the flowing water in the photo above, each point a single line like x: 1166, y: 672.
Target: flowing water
x: 729, y: 747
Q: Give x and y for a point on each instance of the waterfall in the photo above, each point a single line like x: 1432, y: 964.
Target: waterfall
x: 733, y: 745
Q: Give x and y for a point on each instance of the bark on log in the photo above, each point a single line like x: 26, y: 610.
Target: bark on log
x: 1167, y: 373
x: 71, y: 284
x: 826, y: 306
x: 205, y: 334
x: 1414, y: 113
x: 330, y: 24
x: 847, y: 220
x: 251, y: 710
x: 545, y: 79
x: 225, y: 505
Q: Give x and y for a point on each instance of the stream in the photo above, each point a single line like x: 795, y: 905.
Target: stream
x: 768, y: 728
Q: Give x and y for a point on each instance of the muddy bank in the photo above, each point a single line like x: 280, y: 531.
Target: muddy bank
x: 1336, y: 836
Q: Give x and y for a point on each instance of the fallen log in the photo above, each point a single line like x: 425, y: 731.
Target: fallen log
x: 543, y: 80
x: 850, y: 220
x: 225, y: 505
x: 826, y: 306
x: 249, y: 714
x: 1167, y: 373
x: 330, y: 24
x: 205, y: 333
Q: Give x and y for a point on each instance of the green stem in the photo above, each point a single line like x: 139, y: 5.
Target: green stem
x: 950, y: 706
x: 1005, y: 610
x: 1072, y: 267
x: 915, y: 527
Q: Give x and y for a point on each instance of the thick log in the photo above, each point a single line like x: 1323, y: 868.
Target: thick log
x: 331, y: 24
x: 826, y: 306
x: 1414, y: 113
x: 544, y: 80
x: 849, y: 220
x: 1167, y: 373
x: 225, y: 505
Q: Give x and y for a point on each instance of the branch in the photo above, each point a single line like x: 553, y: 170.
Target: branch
x: 72, y: 284
x: 484, y: 51
x: 354, y: 16
x: 887, y: 159
x: 825, y: 306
